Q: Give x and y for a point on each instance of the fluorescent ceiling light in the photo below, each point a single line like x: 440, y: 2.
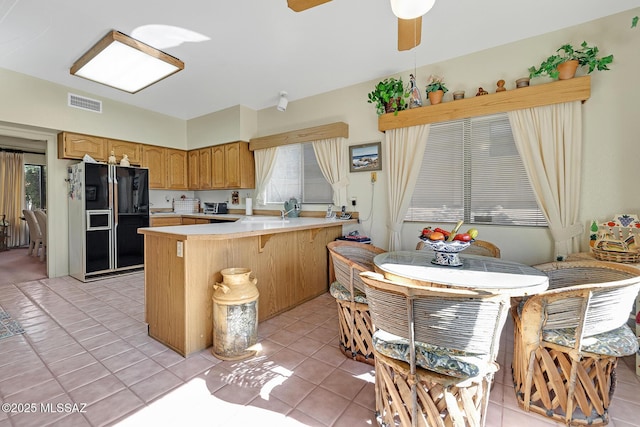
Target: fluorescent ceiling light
x: 125, y: 63
x: 411, y: 9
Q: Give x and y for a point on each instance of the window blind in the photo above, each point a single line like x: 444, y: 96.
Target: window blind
x: 471, y: 170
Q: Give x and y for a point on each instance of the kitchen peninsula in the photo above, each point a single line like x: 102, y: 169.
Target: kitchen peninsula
x: 182, y: 263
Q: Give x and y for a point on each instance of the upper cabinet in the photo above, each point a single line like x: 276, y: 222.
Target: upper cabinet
x: 219, y: 179
x: 155, y: 158
x: 75, y: 146
x: 193, y: 163
x: 177, y: 175
x: 211, y: 168
x: 133, y: 150
x: 233, y: 166
x: 204, y: 168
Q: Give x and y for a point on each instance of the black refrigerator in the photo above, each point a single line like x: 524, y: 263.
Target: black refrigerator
x: 107, y: 205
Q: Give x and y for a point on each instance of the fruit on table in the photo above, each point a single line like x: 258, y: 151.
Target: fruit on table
x: 472, y: 232
x: 444, y: 232
x: 463, y: 237
x: 436, y: 235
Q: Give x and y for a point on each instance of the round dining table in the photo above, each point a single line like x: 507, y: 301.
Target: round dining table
x: 476, y: 272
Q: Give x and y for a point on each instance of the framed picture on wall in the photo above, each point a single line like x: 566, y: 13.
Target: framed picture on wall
x: 365, y: 157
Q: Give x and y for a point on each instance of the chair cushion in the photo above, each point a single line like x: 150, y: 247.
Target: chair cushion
x: 442, y: 360
x: 338, y: 291
x: 618, y: 342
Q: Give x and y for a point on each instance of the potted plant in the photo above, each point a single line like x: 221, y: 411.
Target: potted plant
x: 567, y: 59
x: 387, y: 96
x: 436, y: 89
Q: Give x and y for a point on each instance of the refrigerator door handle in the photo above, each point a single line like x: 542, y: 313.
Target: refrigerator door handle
x: 114, y: 248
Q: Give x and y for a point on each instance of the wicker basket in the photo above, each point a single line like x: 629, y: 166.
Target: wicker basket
x: 629, y: 256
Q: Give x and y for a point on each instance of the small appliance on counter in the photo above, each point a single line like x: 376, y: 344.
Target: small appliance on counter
x: 215, y: 208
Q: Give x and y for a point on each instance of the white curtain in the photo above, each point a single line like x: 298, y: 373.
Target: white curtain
x: 264, y: 160
x: 549, y: 140
x: 404, y: 149
x: 334, y: 164
x: 12, y: 199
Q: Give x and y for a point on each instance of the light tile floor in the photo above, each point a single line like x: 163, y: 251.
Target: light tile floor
x: 86, y: 360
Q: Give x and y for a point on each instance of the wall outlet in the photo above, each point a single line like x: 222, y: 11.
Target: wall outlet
x: 353, y: 201
x: 179, y: 249
x: 374, y: 177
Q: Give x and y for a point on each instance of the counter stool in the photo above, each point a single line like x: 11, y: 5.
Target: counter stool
x: 568, y: 340
x: 349, y: 259
x: 435, y: 351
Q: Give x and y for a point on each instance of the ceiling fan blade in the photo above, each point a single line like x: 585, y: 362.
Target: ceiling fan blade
x: 409, y: 33
x: 300, y: 5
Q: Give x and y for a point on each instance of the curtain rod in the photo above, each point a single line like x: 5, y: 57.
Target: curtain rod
x: 11, y: 150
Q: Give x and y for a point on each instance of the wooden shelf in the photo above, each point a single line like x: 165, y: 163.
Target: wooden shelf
x: 576, y: 89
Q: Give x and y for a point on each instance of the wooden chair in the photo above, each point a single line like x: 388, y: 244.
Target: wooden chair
x: 349, y: 259
x: 478, y: 247
x: 568, y: 340
x: 41, y: 217
x: 435, y: 351
x: 35, y: 236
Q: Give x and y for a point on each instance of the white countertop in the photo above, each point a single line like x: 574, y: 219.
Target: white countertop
x: 243, y: 227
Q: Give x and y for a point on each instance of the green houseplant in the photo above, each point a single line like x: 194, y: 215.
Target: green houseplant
x: 436, y: 89
x: 585, y: 55
x: 388, y: 96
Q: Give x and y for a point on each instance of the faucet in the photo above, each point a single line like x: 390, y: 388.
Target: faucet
x: 283, y: 213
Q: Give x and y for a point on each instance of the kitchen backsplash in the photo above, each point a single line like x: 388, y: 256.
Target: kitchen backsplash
x: 164, y: 198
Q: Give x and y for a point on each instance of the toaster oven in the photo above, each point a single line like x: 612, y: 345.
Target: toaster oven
x: 215, y: 208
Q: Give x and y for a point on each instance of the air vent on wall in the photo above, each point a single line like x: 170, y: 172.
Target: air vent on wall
x: 85, y: 103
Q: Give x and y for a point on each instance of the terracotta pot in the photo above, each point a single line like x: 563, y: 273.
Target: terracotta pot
x: 567, y: 70
x: 436, y: 97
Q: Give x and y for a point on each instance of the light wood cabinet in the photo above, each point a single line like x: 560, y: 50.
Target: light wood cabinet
x: 177, y: 174
x: 191, y: 221
x: 75, y: 146
x: 155, y: 158
x: 164, y: 221
x: 193, y: 164
x: 204, y: 168
x: 233, y: 166
x: 218, y: 179
x: 133, y: 150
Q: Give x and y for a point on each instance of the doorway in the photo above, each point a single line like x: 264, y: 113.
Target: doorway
x: 15, y: 262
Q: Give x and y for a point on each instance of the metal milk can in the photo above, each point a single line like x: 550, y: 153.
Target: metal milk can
x: 235, y: 314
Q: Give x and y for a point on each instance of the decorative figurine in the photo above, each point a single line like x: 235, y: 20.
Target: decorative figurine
x: 500, y: 85
x: 112, y: 159
x: 481, y: 92
x: 125, y: 160
x: 415, y: 99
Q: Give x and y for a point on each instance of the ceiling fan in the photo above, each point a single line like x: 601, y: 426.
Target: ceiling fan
x: 409, y: 30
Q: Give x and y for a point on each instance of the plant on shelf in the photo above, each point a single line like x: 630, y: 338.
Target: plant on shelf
x: 568, y: 56
x: 436, y: 89
x: 388, y: 96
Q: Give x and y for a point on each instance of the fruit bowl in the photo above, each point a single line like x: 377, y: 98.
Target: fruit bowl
x: 446, y: 253
x: 444, y: 246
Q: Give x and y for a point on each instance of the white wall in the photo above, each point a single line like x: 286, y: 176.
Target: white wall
x: 610, y: 156
x: 611, y: 151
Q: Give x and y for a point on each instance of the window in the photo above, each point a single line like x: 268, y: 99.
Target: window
x: 35, y: 186
x: 471, y: 170
x: 297, y: 174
